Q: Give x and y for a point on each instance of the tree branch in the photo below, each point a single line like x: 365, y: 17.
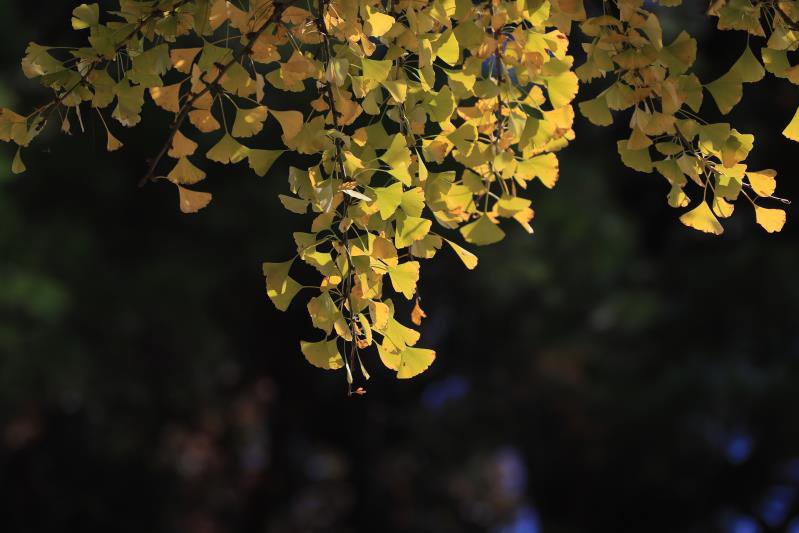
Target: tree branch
x: 193, y: 97
x: 59, y: 99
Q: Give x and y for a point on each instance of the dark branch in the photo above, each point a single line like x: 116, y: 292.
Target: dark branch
x: 252, y: 37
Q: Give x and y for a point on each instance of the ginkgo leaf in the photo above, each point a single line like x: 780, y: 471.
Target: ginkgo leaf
x: 727, y: 91
x: 414, y: 361
x: 185, y: 172
x: 380, y: 314
x: 772, y: 220
x: 295, y: 205
x: 562, y: 88
x: 290, y: 122
x: 448, y: 49
x: 324, y: 312
x: 409, y: 363
x: 482, y: 231
x: 792, y: 130
x: 468, y: 258
x: 544, y: 167
x: 181, y: 146
x: 261, y: 161
x: 410, y: 229
x: 112, y: 143
x: 227, y: 150
x: 748, y: 67
x: 249, y: 121
x: 203, y: 120
x: 639, y: 160
x: 323, y: 354
x: 404, y: 278
x: 17, y: 166
x: 376, y: 70
x: 702, y: 219
x: 85, y: 16
x: 417, y: 313
x: 277, y: 275
x: 182, y: 59
x: 596, y: 110
x: 337, y: 71
x: 167, y: 98
x: 377, y: 24
x: 398, y: 89
x: 366, y: 327
x: 762, y: 181
x: 282, y: 299
x: 192, y: 201
x: 398, y: 158
x: 388, y: 199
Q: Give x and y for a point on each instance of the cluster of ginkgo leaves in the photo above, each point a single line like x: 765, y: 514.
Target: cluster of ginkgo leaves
x: 399, y: 92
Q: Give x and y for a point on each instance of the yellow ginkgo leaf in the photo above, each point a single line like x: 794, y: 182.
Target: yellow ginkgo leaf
x: 596, y: 110
x: 562, y: 88
x: 409, y: 362
x: 404, y: 278
x: 185, y: 172
x: 192, y: 201
x: 482, y: 231
x: 277, y: 275
x: 167, y: 97
x: 377, y: 24
x: 398, y: 89
x: 772, y: 220
x: 249, y: 121
x: 748, y: 67
x: 727, y: 91
x: 17, y: 166
x: 182, y: 146
x: 203, y: 120
x: 792, y: 130
x: 702, y: 219
x: 366, y: 327
x: 261, y: 161
x: 85, y: 16
x: 112, y: 143
x: 388, y: 199
x: 763, y: 182
x: 324, y: 312
x: 376, y: 70
x: 410, y: 230
x: 337, y: 71
x: 227, y: 150
x: 544, y: 167
x: 323, y: 354
x: 448, y: 49
x: 380, y: 314
x: 290, y: 121
x: 295, y: 205
x: 183, y: 58
x: 282, y: 299
x: 468, y: 258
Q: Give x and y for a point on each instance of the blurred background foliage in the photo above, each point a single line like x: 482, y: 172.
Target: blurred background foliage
x: 615, y: 372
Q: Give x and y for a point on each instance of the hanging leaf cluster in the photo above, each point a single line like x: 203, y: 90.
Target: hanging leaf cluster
x: 401, y: 92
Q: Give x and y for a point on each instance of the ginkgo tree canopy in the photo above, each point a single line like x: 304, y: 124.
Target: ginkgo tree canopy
x: 400, y: 93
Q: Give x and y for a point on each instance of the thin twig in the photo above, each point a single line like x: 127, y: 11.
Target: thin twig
x: 59, y: 99
x: 193, y: 97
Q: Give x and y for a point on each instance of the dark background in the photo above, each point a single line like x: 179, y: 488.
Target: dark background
x: 615, y: 372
